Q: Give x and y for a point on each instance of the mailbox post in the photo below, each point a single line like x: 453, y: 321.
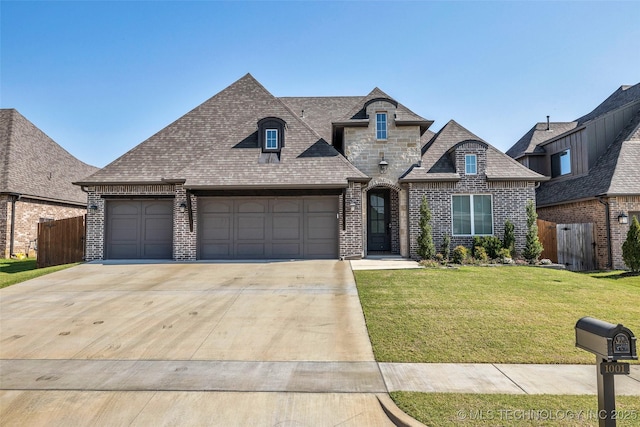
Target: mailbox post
x: 610, y: 343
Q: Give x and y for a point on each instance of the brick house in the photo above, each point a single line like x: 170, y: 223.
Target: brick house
x: 36, y: 176
x: 250, y: 175
x: 592, y: 163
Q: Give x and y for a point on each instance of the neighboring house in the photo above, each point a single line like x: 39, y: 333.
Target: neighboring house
x: 249, y: 175
x: 36, y: 176
x: 593, y: 164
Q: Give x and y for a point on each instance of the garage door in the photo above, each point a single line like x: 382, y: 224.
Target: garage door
x: 268, y: 228
x: 139, y: 229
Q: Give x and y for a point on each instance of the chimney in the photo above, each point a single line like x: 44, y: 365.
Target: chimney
x: 548, y: 124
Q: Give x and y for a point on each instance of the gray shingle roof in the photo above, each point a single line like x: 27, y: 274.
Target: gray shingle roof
x: 32, y: 164
x: 215, y: 146
x: 614, y: 173
x: 622, y: 96
x: 438, y: 165
x: 537, y: 135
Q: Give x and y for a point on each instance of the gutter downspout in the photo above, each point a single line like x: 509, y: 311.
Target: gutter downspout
x: 607, y: 211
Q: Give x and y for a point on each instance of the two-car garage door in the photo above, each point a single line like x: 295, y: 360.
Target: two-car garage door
x: 228, y: 228
x: 267, y: 227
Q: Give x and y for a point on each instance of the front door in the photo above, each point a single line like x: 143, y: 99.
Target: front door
x: 378, y: 221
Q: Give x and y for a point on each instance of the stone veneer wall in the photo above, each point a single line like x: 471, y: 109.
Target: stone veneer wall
x: 592, y: 211
x: 29, y: 212
x: 509, y: 201
x: 351, y: 236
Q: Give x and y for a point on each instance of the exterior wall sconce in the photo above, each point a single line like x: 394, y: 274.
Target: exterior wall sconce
x: 622, y: 218
x: 183, y: 207
x: 93, y: 207
x: 352, y: 206
x: 383, y: 165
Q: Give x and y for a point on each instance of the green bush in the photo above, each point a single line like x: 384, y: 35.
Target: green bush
x: 533, y: 247
x: 426, y: 247
x: 631, y: 246
x: 445, y: 249
x: 490, y: 244
x: 480, y: 254
x: 459, y: 255
x: 509, y: 241
x: 504, y: 254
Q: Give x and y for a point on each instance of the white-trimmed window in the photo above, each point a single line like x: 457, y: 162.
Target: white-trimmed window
x: 381, y: 125
x: 271, y: 139
x: 470, y: 164
x: 472, y: 215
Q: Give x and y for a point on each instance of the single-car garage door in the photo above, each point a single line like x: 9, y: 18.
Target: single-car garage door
x: 139, y: 229
x: 267, y: 228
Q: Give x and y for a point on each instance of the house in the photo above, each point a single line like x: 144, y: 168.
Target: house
x: 592, y: 163
x: 36, y: 176
x: 250, y: 175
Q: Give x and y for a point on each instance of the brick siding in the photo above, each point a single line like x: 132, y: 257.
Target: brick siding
x: 351, y: 236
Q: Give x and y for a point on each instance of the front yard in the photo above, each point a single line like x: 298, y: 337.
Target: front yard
x: 490, y: 315
x: 15, y: 271
x: 495, y: 315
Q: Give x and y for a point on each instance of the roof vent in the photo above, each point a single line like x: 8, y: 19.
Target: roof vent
x: 548, y: 124
x: 302, y: 114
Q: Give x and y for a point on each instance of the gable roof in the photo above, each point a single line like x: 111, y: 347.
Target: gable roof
x: 437, y: 163
x: 34, y: 165
x: 215, y: 146
x: 538, y: 134
x: 614, y: 173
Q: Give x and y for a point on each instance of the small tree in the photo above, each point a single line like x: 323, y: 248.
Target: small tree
x: 533, y: 247
x: 446, y: 247
x: 509, y: 241
x: 631, y: 246
x: 426, y: 247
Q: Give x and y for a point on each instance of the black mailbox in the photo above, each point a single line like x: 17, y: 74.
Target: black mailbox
x: 609, y: 341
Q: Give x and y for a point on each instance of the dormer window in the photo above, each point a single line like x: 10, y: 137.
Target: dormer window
x: 271, y: 134
x: 470, y: 164
x: 271, y: 138
x: 561, y: 163
x: 381, y: 125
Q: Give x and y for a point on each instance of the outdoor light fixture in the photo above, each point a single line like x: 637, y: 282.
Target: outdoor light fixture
x: 183, y: 207
x: 383, y: 165
x: 622, y: 218
x: 93, y: 207
x: 352, y: 206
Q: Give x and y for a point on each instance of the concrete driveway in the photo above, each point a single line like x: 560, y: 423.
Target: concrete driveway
x: 264, y: 344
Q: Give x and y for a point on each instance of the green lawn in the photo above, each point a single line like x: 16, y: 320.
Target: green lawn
x: 490, y: 315
x: 445, y: 409
x: 16, y: 271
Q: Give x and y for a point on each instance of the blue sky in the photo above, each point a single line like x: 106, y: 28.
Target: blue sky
x: 101, y: 77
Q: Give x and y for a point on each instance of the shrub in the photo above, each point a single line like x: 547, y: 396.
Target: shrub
x: 440, y: 258
x: 446, y: 243
x: 426, y: 248
x: 459, y: 255
x: 631, y: 246
x: 490, y: 244
x: 480, y: 254
x: 509, y: 241
x: 533, y: 247
x: 504, y: 253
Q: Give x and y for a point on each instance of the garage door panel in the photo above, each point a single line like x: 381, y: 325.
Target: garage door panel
x: 282, y: 227
x: 139, y: 229
x: 215, y: 206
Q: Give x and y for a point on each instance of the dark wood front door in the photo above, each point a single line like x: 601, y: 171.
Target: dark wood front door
x: 378, y: 220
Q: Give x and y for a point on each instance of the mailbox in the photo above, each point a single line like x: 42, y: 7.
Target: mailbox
x: 606, y: 340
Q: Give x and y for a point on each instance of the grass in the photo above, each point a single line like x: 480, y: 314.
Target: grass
x: 16, y: 271
x: 490, y: 315
x: 445, y: 409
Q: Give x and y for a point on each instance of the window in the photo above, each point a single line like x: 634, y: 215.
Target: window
x: 472, y: 215
x: 381, y: 125
x: 470, y: 164
x: 561, y: 163
x: 271, y: 138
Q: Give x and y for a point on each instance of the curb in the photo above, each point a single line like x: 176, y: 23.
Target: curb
x: 395, y: 414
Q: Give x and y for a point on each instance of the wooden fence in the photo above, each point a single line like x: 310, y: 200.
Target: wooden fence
x: 576, y: 246
x: 61, y: 241
x: 547, y: 235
